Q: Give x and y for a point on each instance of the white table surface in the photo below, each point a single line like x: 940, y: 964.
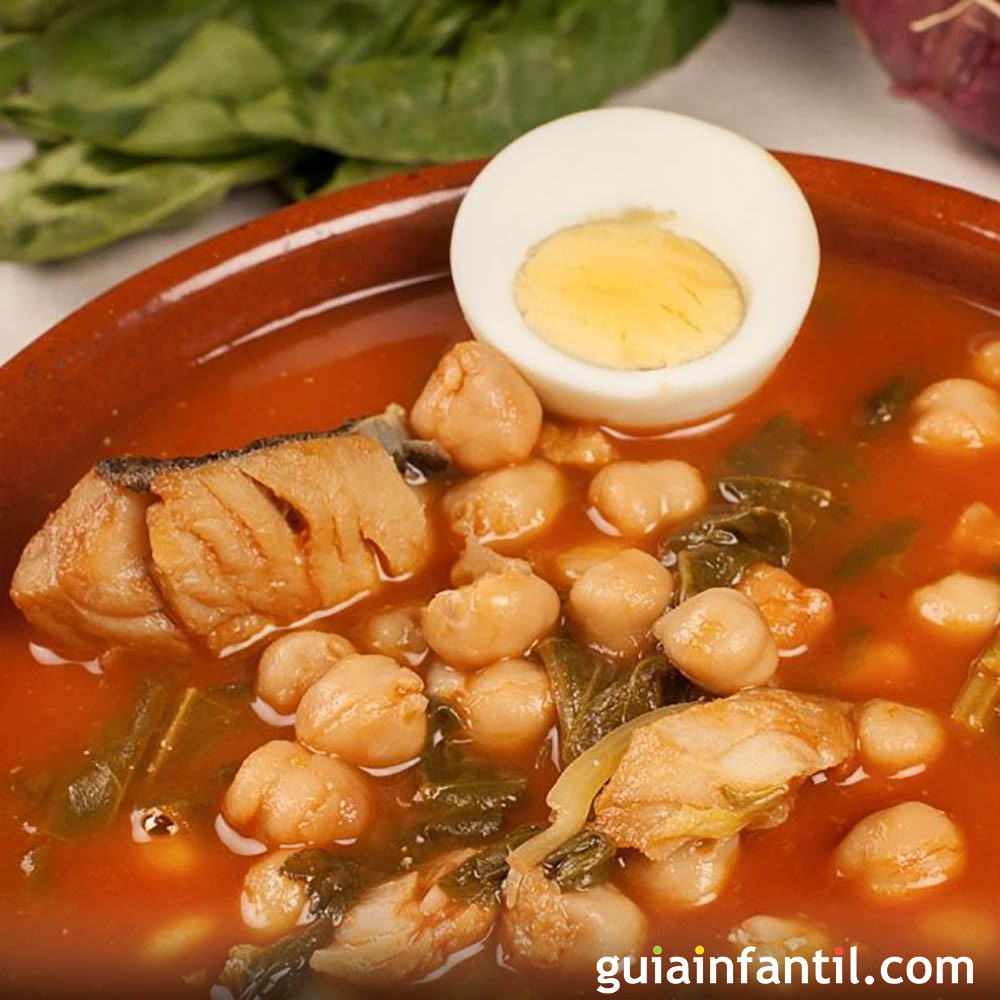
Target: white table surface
x: 792, y: 78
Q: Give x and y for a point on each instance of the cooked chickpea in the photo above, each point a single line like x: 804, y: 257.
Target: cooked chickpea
x: 960, y: 605
x: 477, y: 559
x: 720, y: 640
x: 901, y: 849
x: 615, y: 603
x: 779, y: 937
x: 270, y: 901
x: 497, y: 616
x: 582, y: 447
x: 893, y: 737
x: 639, y: 497
x: 293, y: 662
x: 694, y: 874
x: 977, y: 532
x: 570, y: 564
x: 544, y: 927
x: 367, y: 709
x: 395, y: 632
x: 956, y: 414
x: 285, y: 794
x: 986, y: 361
x: 479, y: 407
x: 798, y: 616
x: 506, y: 505
x: 508, y: 707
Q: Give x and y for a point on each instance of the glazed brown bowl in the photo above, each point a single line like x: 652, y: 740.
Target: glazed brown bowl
x: 122, y: 348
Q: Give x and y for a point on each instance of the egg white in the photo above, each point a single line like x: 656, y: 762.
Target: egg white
x: 707, y: 183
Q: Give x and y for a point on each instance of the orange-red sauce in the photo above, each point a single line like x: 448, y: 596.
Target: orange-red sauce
x: 83, y: 928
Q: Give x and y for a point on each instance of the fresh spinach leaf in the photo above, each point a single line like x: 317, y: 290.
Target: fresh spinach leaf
x: 91, y: 797
x: 201, y: 97
x: 884, y: 543
x: 74, y: 198
x: 584, y: 860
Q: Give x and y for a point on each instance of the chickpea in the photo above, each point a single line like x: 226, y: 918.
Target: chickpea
x: 293, y: 662
x: 956, y: 414
x: 477, y: 559
x: 367, y: 709
x: 720, y: 640
x: 986, y: 361
x: 506, y: 505
x: 902, y: 849
x: 779, y: 937
x: 960, y: 605
x: 570, y: 564
x: 694, y: 874
x: 396, y: 632
x: 894, y: 736
x: 639, y: 497
x: 497, y: 616
x: 544, y: 927
x: 284, y: 794
x: 798, y: 616
x: 616, y: 602
x: 270, y: 901
x: 479, y: 407
x: 875, y: 662
x: 584, y: 448
x: 509, y: 707
x: 977, y: 532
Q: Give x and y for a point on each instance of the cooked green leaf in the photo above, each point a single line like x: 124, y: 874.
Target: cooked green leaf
x: 805, y: 504
x: 75, y: 198
x: 479, y: 878
x: 91, y: 797
x: 332, y: 882
x: 593, y: 697
x: 723, y: 543
x: 576, y: 677
x: 275, y: 971
x: 584, y: 860
x: 883, y: 544
x: 202, y: 718
x: 653, y: 682
x: 460, y: 796
x: 887, y: 402
x: 783, y: 449
x: 977, y: 702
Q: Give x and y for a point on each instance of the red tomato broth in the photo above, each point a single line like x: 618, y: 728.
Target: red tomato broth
x: 104, y: 899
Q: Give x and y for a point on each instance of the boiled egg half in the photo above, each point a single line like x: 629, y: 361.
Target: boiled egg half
x: 641, y: 268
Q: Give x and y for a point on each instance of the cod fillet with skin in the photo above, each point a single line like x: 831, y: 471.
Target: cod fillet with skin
x: 165, y: 556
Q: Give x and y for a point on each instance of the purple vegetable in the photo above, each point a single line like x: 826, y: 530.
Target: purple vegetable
x: 946, y: 55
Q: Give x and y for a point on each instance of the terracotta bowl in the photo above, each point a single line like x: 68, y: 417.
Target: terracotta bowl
x: 125, y: 346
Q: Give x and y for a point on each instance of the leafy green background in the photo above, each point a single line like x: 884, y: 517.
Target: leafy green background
x: 147, y: 113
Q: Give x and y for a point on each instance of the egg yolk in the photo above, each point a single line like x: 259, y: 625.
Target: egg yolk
x: 628, y: 294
